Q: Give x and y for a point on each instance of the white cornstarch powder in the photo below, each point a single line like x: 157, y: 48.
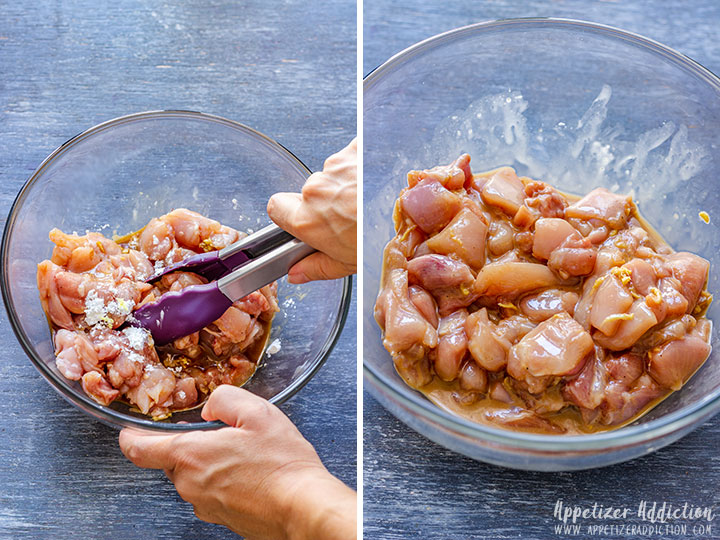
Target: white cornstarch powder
x: 137, y: 337
x: 95, y: 310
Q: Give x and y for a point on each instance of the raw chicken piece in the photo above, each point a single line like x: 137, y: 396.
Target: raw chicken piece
x: 674, y: 362
x: 512, y: 279
x: 425, y: 304
x: 463, y: 237
x: 74, y: 354
x: 555, y: 347
x: 692, y: 272
x: 50, y: 296
x: 448, y: 280
x: 430, y: 205
x: 610, y: 306
x: 641, y: 319
x: 454, y: 176
x: 452, y: 345
x: 403, y: 324
x: 603, y: 205
x: 504, y: 190
x: 550, y: 233
x: 473, y: 378
x: 487, y: 348
x: 156, y: 386
x: 97, y: 387
x: 541, y: 306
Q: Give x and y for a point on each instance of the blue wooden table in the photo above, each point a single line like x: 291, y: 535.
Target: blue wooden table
x: 417, y: 489
x: 286, y: 69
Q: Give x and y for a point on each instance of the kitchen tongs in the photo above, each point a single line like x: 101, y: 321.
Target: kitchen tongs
x: 234, y: 272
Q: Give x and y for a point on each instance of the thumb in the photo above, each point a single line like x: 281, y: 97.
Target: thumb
x: 283, y: 209
x: 235, y: 407
x: 318, y: 266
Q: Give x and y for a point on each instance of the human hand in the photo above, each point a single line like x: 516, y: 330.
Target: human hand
x: 259, y: 477
x: 324, y: 216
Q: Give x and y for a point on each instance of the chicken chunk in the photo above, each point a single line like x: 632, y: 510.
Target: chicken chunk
x: 603, y: 205
x: 557, y: 346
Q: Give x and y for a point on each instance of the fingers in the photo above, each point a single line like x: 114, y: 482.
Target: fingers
x: 318, y: 266
x: 233, y: 406
x: 146, y: 449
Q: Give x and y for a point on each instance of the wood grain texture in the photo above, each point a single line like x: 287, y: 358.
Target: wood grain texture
x: 285, y: 68
x: 414, y: 488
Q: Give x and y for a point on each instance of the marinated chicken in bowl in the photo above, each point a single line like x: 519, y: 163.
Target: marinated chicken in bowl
x: 510, y: 303
x: 90, y: 287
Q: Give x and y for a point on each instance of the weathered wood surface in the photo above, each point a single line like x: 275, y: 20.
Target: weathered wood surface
x: 288, y: 69
x: 417, y: 489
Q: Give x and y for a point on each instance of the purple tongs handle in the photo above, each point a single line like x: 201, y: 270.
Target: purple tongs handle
x: 215, y: 264
x: 178, y: 314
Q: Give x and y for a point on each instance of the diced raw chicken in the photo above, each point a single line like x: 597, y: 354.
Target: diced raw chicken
x: 628, y: 403
x: 185, y: 393
x: 566, y: 251
x: 514, y: 328
x: 425, y: 304
x: 674, y: 362
x: 97, y: 387
x: 464, y: 237
x: 156, y: 239
x: 50, y: 297
x: 498, y: 392
x: 452, y: 345
x: 512, y: 279
x: 195, y: 231
x: 74, y: 354
x: 487, y: 348
x: 574, y: 257
x: 473, y: 378
x: 234, y: 324
x: 692, y: 272
x: 602, y: 204
x: 555, y: 347
x: 448, y: 280
x: 630, y: 330
x: 544, y: 200
x: 454, y: 176
x: 91, y: 285
x: 504, y: 190
x: 541, y: 306
x: 558, y: 305
x: 500, y: 238
x: 625, y: 368
x: 126, y: 370
x: 550, y: 233
x: 430, y: 205
x: 610, y: 305
x: 642, y: 275
x: 587, y: 389
x: 156, y: 386
x: 403, y: 324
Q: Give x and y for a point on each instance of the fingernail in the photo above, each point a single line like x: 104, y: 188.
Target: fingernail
x: 297, y: 278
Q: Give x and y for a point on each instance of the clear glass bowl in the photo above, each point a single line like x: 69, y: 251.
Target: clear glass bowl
x: 118, y: 175
x: 576, y: 104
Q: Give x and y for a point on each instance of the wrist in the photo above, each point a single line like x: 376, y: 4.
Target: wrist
x: 322, y: 508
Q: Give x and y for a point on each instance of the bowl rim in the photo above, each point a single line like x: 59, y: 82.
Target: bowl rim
x: 84, y: 402
x: 607, y: 440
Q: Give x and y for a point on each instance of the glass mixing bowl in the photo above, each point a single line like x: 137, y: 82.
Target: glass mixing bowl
x: 114, y: 177
x: 578, y: 105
